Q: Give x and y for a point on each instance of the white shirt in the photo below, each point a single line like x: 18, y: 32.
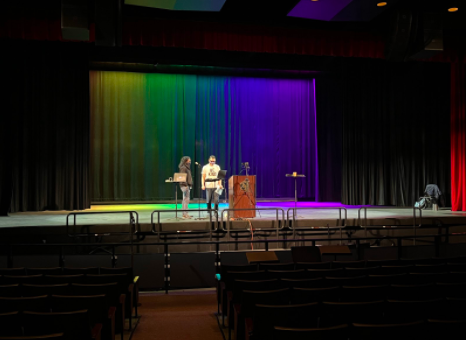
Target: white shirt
x: 211, y: 172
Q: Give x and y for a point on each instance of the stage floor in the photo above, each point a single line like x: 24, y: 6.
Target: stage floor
x: 316, y: 211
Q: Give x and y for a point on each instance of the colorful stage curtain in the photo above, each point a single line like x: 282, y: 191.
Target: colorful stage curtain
x: 458, y: 135
x: 395, y: 131
x: 142, y: 124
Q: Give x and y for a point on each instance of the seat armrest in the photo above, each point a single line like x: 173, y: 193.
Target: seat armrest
x: 248, y: 328
x: 96, y: 331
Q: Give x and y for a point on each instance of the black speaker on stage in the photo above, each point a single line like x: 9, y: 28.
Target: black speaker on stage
x: 429, y: 39
x: 75, y: 20
x: 402, y: 35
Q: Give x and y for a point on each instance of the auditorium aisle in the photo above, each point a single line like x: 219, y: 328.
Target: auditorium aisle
x: 178, y: 315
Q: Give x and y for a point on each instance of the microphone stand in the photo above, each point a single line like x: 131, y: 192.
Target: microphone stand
x: 199, y: 194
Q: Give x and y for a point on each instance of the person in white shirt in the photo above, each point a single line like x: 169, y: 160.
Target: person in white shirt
x: 211, y: 171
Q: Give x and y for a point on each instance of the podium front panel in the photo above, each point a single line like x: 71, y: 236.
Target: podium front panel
x: 242, y: 195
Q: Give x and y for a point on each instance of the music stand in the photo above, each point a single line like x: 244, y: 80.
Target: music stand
x: 295, y: 176
x: 220, y: 177
x: 178, y: 178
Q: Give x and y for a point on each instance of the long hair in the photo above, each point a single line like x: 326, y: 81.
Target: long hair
x: 183, y: 161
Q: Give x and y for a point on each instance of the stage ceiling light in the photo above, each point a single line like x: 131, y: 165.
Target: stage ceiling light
x: 453, y: 9
x: 381, y: 4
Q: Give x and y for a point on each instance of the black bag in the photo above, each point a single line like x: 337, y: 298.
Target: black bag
x: 423, y: 202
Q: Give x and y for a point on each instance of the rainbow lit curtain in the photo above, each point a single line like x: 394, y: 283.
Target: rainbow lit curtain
x: 142, y: 124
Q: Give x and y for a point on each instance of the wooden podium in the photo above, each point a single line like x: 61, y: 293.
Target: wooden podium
x: 242, y: 195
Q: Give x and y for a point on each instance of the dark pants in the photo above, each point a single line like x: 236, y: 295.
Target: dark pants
x: 212, y: 197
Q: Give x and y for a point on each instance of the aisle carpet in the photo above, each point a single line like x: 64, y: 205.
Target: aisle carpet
x: 176, y: 316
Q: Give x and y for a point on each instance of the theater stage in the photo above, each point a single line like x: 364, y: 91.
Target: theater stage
x: 315, y: 214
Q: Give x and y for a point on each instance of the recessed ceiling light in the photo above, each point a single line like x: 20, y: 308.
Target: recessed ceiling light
x: 453, y: 9
x: 314, y: 0
x: 381, y: 4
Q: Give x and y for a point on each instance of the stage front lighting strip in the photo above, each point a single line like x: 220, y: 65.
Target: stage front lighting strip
x: 180, y: 5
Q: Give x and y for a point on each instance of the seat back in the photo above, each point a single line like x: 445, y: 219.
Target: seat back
x: 13, y: 271
x: 36, y: 290
x: 317, y: 282
x: 287, y: 274
x: 313, y: 265
x: 348, y: 264
x: 325, y: 272
x: 335, y: 313
x: 61, y: 279
x: 276, y: 266
x: 339, y: 332
x: 44, y: 271
x: 95, y: 304
x: 20, y: 304
x: 404, y: 331
x: 300, y: 315
x: 10, y: 290
x: 251, y: 298
x: 21, y: 279
x: 307, y: 295
x: 363, y: 293
x: 10, y: 324
x: 76, y: 271
x: 74, y: 325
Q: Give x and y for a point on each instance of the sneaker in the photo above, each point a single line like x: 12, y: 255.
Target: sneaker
x: 186, y: 216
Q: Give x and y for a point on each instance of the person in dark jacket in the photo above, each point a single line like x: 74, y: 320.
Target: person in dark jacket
x: 184, y: 167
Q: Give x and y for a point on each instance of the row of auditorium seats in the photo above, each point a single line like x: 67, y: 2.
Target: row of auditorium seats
x: 396, y: 291
x: 105, y: 299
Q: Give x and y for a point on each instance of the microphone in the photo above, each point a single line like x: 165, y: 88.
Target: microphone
x: 197, y: 164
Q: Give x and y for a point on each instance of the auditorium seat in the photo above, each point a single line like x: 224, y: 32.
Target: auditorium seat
x: 399, y: 331
x: 267, y: 316
x: 347, y: 281
x: 453, y: 309
x: 20, y: 304
x: 10, y: 324
x: 412, y: 292
x: 276, y: 266
x: 288, y: 274
x: 363, y: 293
x: 96, y: 305
x: 10, y: 290
x: 429, y: 268
x: 313, y: 265
x: 452, y: 290
x: 13, y: 271
x: 44, y: 271
x: 74, y: 325
x: 455, y: 267
x: 57, y: 336
x: 386, y: 279
x: 421, y: 278
x: 339, y: 332
x: 361, y: 271
x: 390, y: 270
x: 307, y: 295
x: 36, y: 290
x: 249, y: 299
x: 317, y: 282
x: 335, y: 313
x: 348, y: 264
x: 325, y: 272
x: 445, y: 329
x: 76, y: 271
x: 379, y: 263
x: 124, y: 286
x: 113, y: 296
x: 21, y: 279
x: 61, y: 279
x: 407, y: 311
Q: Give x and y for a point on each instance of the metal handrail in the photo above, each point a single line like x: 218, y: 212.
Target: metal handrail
x: 253, y: 209
x: 74, y: 214
x: 365, y: 209
x: 158, y: 212
x: 318, y: 208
